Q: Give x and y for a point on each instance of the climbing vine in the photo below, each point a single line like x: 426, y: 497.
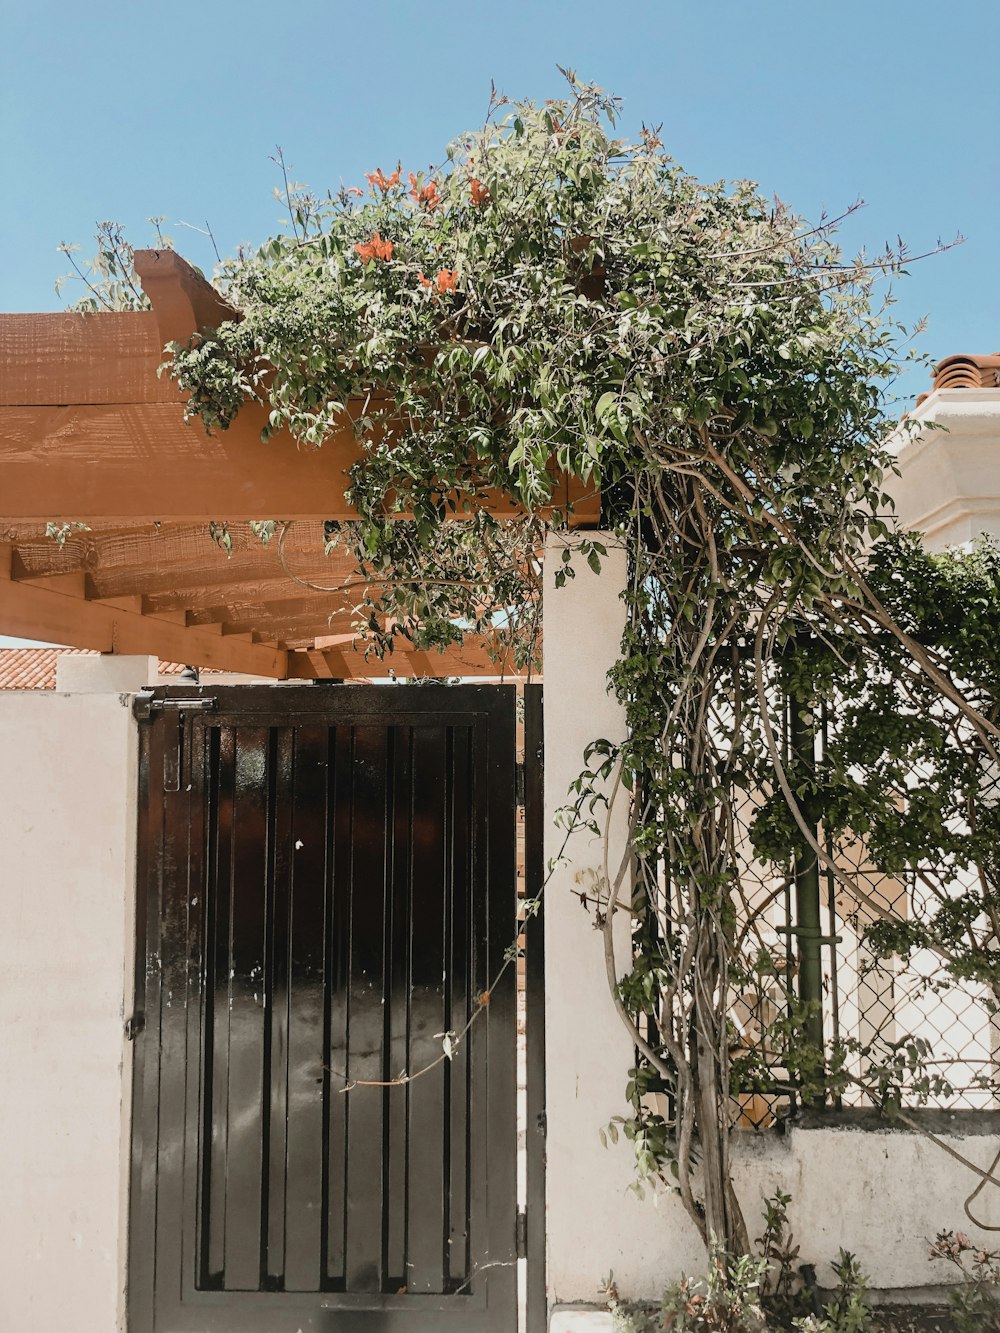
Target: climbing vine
x: 555, y: 300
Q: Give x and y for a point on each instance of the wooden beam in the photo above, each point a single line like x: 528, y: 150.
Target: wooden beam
x: 74, y: 585
x: 325, y: 615
x: 318, y: 660
x: 33, y: 611
x: 161, y: 561
x: 131, y: 603
x: 219, y: 598
x: 37, y: 610
x: 89, y: 432
x: 183, y: 301
x: 101, y: 358
x: 136, y: 462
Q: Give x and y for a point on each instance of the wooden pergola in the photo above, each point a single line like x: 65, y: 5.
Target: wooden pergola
x: 91, y: 434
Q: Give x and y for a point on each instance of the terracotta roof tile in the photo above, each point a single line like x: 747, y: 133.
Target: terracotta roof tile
x: 968, y: 372
x: 35, y: 668
x: 32, y: 668
x: 965, y: 370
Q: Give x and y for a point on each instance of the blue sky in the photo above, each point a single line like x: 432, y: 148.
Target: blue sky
x: 132, y: 110
x: 143, y: 109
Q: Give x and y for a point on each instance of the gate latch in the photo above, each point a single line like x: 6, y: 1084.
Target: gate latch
x: 133, y: 1026
x: 146, y: 704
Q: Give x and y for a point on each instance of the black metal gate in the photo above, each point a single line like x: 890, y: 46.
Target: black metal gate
x: 326, y: 901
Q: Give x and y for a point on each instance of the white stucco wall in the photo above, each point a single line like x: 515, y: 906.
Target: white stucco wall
x: 105, y: 673
x: 67, y: 830
x: 949, y: 482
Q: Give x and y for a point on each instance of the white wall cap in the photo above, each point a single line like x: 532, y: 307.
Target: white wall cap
x: 107, y: 673
x: 947, y: 480
x: 970, y: 411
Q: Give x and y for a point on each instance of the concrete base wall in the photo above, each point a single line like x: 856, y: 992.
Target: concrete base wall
x: 881, y: 1193
x: 67, y: 830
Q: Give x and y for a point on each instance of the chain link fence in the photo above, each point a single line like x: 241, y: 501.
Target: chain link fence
x: 895, y: 1030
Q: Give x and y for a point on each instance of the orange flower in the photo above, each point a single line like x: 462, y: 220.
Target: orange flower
x: 354, y: 191
x: 444, y: 282
x: 376, y: 248
x: 425, y: 195
x: 479, y: 193
x: 379, y: 179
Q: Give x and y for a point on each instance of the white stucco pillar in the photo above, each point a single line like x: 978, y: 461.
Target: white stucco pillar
x: 594, y: 1223
x: 68, y: 786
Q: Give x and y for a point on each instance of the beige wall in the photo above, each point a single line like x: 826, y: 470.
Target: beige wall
x: 67, y: 829
x: 881, y: 1193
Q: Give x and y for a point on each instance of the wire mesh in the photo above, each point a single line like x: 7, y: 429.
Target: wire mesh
x: 902, y: 1031
x: 887, y: 1006
x: 896, y: 1030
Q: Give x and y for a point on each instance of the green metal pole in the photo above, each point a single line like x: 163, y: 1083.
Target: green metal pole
x: 808, y: 926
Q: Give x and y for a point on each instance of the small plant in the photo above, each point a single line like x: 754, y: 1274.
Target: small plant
x: 728, y: 1299
x: 975, y: 1304
x: 848, y: 1311
x: 786, y: 1293
x: 765, y: 1293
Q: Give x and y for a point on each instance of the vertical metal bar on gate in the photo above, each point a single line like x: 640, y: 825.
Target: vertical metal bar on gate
x: 534, y: 933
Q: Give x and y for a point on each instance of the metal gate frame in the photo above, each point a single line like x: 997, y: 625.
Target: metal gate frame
x: 534, y: 940
x: 167, y: 749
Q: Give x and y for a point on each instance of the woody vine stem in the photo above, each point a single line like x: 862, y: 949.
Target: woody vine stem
x: 552, y: 299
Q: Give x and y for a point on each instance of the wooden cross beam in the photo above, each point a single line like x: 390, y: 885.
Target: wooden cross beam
x: 50, y: 610
x: 34, y: 610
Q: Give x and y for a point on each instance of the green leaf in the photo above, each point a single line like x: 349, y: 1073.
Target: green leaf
x: 606, y: 404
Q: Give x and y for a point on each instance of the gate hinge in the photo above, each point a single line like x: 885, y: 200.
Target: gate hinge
x: 521, y: 1234
x: 146, y: 704
x: 519, y: 785
x: 133, y: 1026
